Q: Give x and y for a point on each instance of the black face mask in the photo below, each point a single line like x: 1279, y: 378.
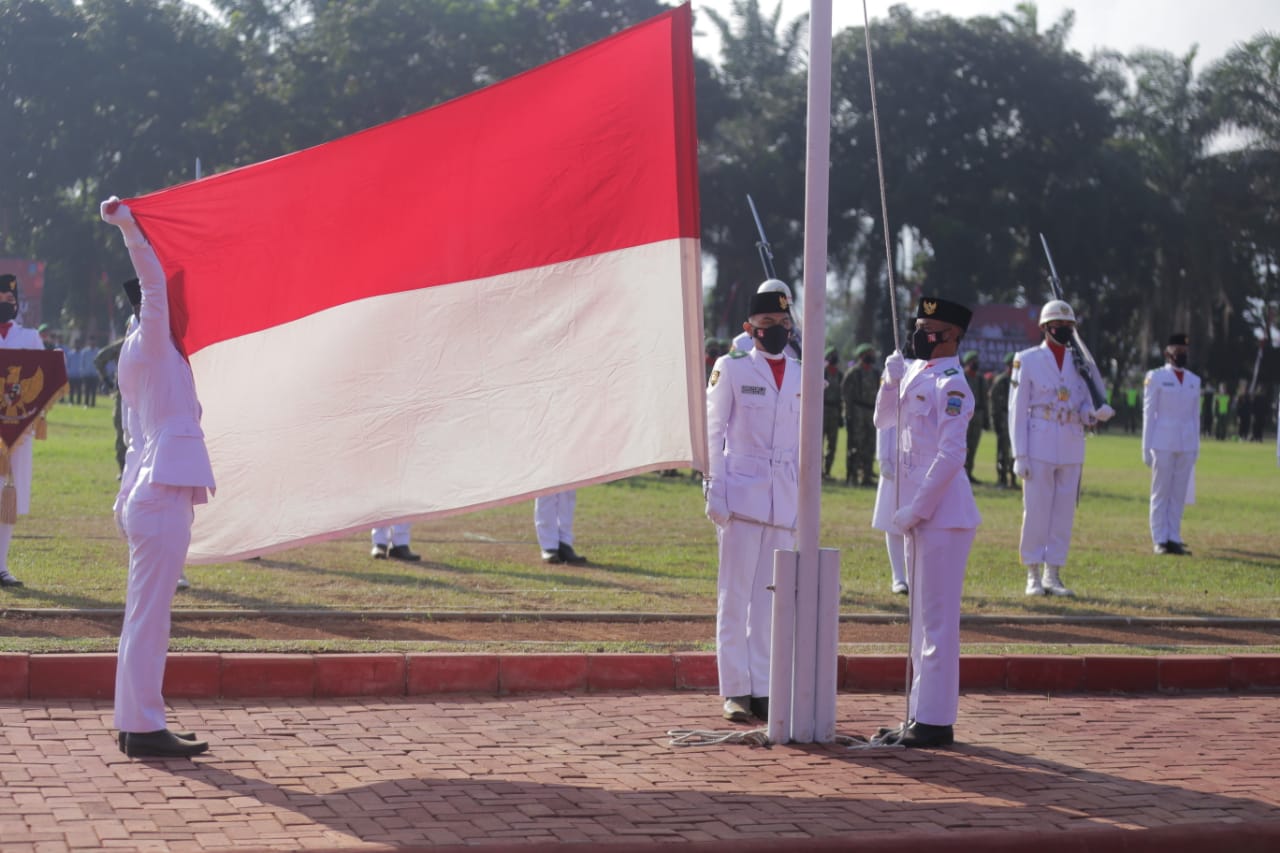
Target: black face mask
x: 1180, y: 359
x: 923, y: 342
x: 773, y: 338
x: 1061, y: 334
x: 7, y: 311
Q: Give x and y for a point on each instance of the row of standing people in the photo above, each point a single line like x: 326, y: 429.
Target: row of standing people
x: 922, y: 417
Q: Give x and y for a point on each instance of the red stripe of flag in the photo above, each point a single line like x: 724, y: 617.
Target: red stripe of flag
x: 551, y: 165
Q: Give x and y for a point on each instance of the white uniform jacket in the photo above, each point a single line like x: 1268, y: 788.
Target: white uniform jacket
x: 158, y: 391
x: 1049, y: 408
x: 1170, y: 411
x: 937, y: 406
x: 753, y: 435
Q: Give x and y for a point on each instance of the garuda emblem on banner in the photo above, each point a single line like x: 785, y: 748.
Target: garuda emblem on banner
x: 32, y: 381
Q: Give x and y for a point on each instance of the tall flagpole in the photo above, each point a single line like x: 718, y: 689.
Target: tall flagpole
x: 809, y: 707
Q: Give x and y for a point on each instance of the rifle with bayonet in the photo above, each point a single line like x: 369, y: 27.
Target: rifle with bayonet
x: 1080, y: 355
x: 766, y: 259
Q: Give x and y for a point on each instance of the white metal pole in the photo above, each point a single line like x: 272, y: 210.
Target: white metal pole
x: 817, y: 178
x: 827, y: 659
x: 782, y: 646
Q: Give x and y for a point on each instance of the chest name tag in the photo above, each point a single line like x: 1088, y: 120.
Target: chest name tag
x: 955, y: 401
x: 757, y: 390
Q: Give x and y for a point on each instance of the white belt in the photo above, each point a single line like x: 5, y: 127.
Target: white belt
x: 1061, y: 414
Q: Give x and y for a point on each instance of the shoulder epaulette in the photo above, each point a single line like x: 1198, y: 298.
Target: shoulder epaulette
x: 737, y: 353
x: 950, y: 371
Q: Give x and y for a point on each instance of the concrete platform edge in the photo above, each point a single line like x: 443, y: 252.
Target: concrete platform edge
x: 270, y: 675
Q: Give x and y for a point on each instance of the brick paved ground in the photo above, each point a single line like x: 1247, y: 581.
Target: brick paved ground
x: 597, y: 770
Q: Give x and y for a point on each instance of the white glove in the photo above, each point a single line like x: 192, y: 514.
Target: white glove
x: 717, y: 503
x: 895, y: 367
x: 118, y: 214
x: 1148, y: 458
x: 905, y: 518
x: 1020, y: 468
x: 887, y: 470
x: 1104, y: 414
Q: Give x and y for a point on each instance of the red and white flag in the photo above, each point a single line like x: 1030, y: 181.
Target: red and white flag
x: 490, y: 300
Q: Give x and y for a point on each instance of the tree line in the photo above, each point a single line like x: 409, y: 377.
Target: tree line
x: 1157, y: 185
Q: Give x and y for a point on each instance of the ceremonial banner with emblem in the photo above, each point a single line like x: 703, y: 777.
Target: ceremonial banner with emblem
x: 477, y: 304
x: 33, y: 380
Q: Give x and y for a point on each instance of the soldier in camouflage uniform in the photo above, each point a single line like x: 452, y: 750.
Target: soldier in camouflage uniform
x: 860, y: 385
x: 831, y: 409
x: 998, y: 399
x: 980, y: 420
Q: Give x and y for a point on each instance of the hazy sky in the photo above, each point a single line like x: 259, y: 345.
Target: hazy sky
x: 1173, y: 25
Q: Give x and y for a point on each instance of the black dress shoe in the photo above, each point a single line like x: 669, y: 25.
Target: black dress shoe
x: 120, y: 737
x: 161, y: 744
x: 1178, y: 548
x: 402, y: 553
x: 760, y: 708
x: 379, y: 552
x: 571, y: 556
x: 552, y: 557
x: 925, y: 736
x: 10, y: 581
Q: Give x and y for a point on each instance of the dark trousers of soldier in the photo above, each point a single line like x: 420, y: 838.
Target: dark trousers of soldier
x: 972, y: 437
x: 831, y: 437
x: 1004, y: 458
x: 91, y: 391
x: 861, y: 451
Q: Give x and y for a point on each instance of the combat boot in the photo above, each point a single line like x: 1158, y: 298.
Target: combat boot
x: 1033, y: 581
x: 1053, y: 584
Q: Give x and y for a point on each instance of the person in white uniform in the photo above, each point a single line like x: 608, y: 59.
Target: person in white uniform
x: 1170, y: 442
x: 930, y: 403
x: 13, y: 335
x: 1049, y: 408
x: 882, y: 515
x: 753, y: 436
x: 391, y: 542
x: 167, y: 472
x: 553, y: 524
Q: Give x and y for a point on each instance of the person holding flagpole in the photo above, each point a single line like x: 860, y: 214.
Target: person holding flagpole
x: 752, y: 495
x: 930, y: 403
x: 167, y: 473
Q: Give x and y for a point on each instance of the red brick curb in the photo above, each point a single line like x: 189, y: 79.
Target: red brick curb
x: 1184, y: 838
x: 204, y: 675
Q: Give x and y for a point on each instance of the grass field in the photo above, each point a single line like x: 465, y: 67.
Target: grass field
x: 652, y: 550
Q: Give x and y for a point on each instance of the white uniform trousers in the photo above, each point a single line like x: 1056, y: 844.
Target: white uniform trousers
x: 744, y: 608
x: 157, y: 521
x: 936, y: 559
x: 1170, y: 473
x: 391, y: 535
x: 553, y: 519
x: 1049, y: 509
x: 896, y: 545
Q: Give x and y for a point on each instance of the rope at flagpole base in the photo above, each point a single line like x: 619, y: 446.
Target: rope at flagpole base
x: 760, y: 737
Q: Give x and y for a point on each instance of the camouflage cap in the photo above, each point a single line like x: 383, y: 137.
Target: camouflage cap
x: 862, y: 348
x: 971, y: 355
